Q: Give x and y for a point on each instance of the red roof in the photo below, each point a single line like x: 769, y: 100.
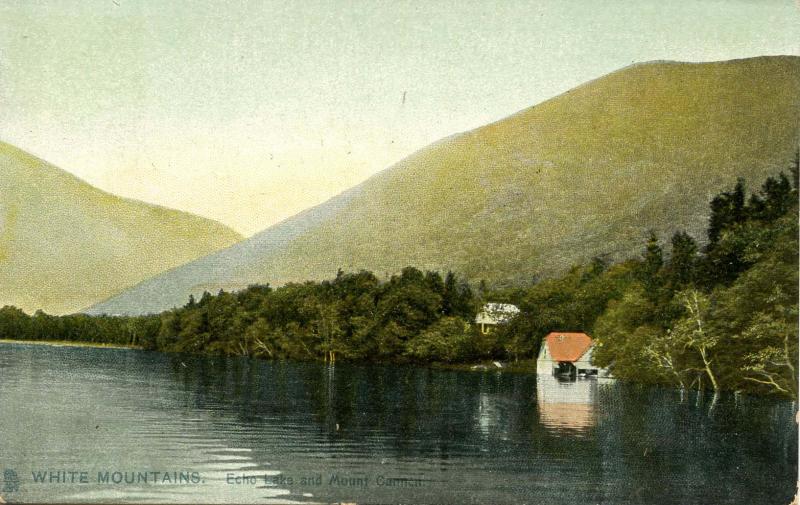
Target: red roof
x: 567, y: 346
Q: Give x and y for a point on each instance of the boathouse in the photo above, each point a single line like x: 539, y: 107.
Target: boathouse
x: 494, y: 314
x: 568, y: 353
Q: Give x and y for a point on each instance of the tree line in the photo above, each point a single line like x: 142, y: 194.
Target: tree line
x: 721, y: 316
x: 414, y: 316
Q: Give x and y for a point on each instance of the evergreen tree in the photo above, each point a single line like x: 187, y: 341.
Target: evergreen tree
x: 450, y: 294
x: 682, y: 261
x: 777, y: 198
x: 727, y: 208
x: 650, y: 270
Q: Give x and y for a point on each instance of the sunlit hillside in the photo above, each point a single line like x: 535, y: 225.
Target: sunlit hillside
x: 584, y: 174
x: 65, y: 244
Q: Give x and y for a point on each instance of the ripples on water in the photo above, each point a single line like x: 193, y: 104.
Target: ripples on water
x: 463, y: 437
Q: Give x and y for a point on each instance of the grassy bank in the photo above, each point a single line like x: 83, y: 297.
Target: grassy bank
x: 68, y: 343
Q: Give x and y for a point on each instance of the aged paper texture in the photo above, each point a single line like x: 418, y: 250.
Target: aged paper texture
x: 380, y: 252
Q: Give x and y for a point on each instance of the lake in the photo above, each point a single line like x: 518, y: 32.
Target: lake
x: 149, y: 427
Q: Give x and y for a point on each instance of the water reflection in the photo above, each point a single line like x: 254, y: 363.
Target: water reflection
x: 466, y: 437
x: 567, y: 404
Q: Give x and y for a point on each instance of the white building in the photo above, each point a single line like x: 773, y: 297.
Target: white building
x: 493, y: 314
x: 566, y: 353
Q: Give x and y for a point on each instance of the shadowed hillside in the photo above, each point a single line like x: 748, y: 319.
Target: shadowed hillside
x: 584, y: 174
x: 65, y: 244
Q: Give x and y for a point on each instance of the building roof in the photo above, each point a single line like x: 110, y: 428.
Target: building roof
x: 496, y: 313
x: 564, y: 346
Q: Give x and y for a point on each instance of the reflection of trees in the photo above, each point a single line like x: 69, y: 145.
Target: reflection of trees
x: 721, y: 453
x: 634, y: 444
x: 411, y: 410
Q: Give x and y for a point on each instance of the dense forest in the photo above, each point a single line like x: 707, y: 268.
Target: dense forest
x: 724, y: 316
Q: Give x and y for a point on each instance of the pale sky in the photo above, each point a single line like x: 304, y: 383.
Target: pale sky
x: 248, y: 112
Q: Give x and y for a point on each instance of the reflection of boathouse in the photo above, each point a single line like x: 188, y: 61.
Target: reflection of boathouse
x: 566, y: 404
x: 565, y: 353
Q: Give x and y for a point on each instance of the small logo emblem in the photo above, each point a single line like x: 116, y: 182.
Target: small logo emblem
x: 10, y: 481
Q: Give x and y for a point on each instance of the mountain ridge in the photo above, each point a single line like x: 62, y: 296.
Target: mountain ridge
x: 65, y: 244
x: 43, y: 164
x: 582, y: 174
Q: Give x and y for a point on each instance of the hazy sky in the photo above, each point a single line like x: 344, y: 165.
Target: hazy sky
x: 248, y: 112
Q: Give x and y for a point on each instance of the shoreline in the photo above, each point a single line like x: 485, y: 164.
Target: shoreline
x: 519, y: 367
x: 69, y: 343
x: 524, y: 366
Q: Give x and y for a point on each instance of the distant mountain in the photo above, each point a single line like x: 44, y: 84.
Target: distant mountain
x: 65, y: 244
x: 584, y: 174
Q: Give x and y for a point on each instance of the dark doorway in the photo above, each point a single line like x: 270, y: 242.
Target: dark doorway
x: 566, y: 368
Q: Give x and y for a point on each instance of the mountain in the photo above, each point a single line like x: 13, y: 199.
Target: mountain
x: 586, y: 173
x: 65, y: 244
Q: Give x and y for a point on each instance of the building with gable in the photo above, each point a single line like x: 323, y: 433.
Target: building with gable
x: 568, y: 353
x: 494, y: 314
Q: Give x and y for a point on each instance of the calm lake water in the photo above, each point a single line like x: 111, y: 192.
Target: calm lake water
x: 296, y: 433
